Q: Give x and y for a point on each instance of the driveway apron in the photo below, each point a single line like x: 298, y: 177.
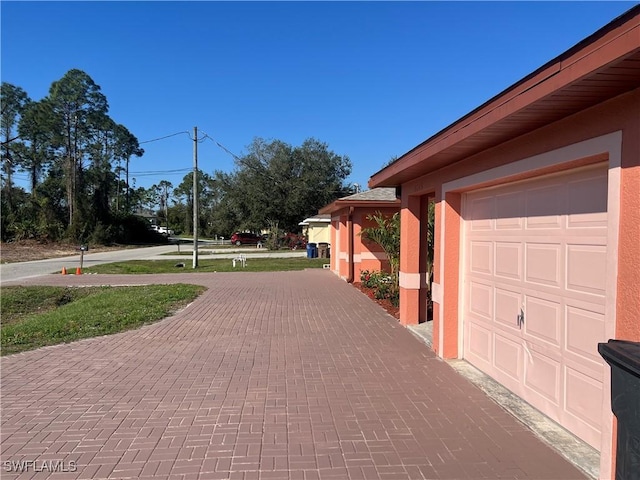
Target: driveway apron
x: 291, y: 375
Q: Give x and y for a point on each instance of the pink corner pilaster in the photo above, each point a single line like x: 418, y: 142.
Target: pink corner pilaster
x: 450, y: 272
x: 410, y: 260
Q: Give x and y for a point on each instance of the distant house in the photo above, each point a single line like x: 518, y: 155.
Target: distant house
x: 147, y: 214
x: 537, y: 231
x: 349, y: 253
x: 316, y: 228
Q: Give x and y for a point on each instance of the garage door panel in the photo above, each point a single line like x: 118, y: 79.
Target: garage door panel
x: 481, y: 257
x: 507, y: 306
x: 479, y: 343
x: 510, y: 211
x: 584, y: 396
x: 587, y: 220
x: 543, y: 320
x: 543, y: 263
x: 481, y: 213
x: 584, y: 329
x: 544, y: 207
x: 587, y: 202
x: 508, y: 263
x: 586, y: 268
x: 481, y: 301
x: 542, y: 375
x: 582, y: 408
x: 508, y: 356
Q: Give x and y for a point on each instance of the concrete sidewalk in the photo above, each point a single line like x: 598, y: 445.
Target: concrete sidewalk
x: 292, y: 375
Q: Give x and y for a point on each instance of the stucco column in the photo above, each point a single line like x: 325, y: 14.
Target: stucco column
x: 449, y: 273
x: 358, y: 218
x: 335, y: 245
x: 410, y: 260
x: 344, y: 242
x: 436, y: 288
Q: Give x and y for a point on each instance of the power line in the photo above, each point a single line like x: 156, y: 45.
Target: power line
x: 221, y: 146
x: 158, y: 174
x: 166, y: 136
x: 149, y: 172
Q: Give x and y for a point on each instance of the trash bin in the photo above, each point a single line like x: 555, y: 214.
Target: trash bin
x: 323, y: 250
x: 624, y: 359
x: 312, y: 250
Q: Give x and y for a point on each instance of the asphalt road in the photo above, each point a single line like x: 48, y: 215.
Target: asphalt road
x: 12, y: 272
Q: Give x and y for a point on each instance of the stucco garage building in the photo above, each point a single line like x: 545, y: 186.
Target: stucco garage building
x: 351, y: 254
x: 537, y: 251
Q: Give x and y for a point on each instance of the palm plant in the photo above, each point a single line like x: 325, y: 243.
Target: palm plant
x: 386, y: 233
x: 430, y: 244
x: 430, y: 255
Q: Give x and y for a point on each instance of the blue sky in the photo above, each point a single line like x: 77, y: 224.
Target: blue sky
x: 371, y: 79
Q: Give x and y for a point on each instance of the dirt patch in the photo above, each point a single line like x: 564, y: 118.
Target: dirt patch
x: 384, y: 303
x: 27, y: 250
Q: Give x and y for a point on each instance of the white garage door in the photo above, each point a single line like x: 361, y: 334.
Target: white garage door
x: 534, y: 309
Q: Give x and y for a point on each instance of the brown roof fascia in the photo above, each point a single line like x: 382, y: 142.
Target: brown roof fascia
x: 340, y: 204
x: 624, y: 31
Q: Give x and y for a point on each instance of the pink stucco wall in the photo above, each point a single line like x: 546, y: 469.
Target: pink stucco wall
x: 366, y: 255
x: 628, y: 301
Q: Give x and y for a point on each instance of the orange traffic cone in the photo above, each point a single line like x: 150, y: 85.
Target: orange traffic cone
x: 64, y: 271
x: 78, y: 271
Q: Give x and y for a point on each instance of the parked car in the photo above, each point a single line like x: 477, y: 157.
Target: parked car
x: 245, y: 238
x: 162, y: 230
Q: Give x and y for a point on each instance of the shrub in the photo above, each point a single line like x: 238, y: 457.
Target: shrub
x: 382, y: 284
x: 373, y: 279
x: 367, y: 278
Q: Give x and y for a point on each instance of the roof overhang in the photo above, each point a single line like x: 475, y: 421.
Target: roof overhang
x: 315, y: 221
x: 370, y: 204
x: 602, y: 66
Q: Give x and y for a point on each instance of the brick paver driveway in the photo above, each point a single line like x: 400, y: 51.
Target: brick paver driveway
x: 266, y: 376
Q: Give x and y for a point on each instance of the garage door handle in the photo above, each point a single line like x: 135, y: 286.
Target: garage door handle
x: 520, y: 318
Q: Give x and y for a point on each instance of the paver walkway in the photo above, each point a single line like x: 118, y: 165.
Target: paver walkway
x: 292, y: 375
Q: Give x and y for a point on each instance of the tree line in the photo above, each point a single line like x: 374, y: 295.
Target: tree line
x: 77, y: 161
x: 273, y: 187
x: 75, y: 156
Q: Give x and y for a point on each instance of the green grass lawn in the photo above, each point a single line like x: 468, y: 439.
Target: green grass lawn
x: 37, y: 316
x: 208, y: 265
x: 205, y: 251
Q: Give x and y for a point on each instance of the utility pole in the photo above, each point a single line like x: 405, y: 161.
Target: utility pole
x: 166, y: 205
x: 195, y: 197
